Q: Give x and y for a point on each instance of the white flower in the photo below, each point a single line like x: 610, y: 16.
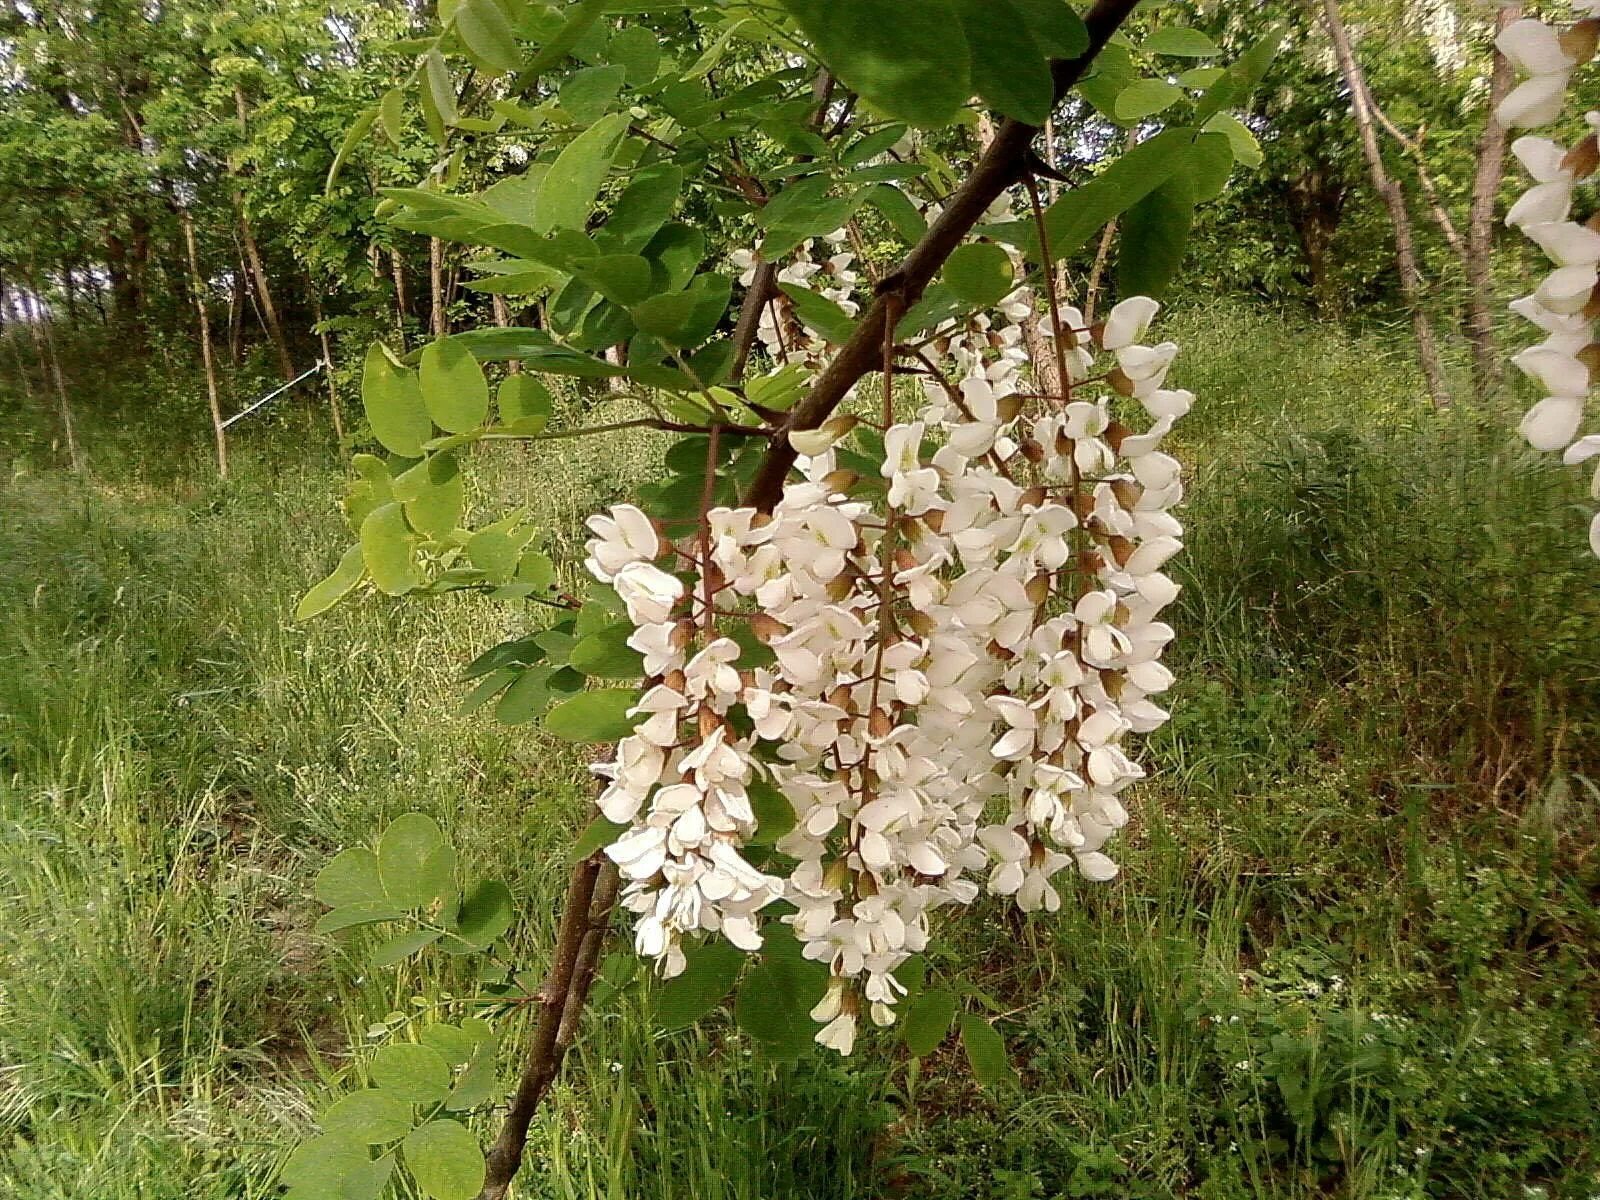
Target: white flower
x: 626, y: 536
x: 1127, y: 322
x: 1533, y: 102
x: 1552, y: 423
x: 649, y: 593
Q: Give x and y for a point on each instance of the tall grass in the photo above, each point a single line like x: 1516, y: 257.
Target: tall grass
x: 1353, y: 952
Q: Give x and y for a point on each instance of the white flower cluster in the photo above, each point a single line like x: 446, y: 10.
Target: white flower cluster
x: 960, y: 645
x: 1567, y: 303
x: 782, y: 334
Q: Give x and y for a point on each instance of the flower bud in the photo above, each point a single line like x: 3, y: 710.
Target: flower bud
x: 1119, y: 381
x: 840, y: 481
x: 1582, y: 159
x: 1579, y: 41
x: 1032, y: 451
x: 766, y: 627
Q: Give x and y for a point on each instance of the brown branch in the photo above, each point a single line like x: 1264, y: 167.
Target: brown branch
x: 1002, y: 165
x: 544, y: 1059
x: 1413, y: 147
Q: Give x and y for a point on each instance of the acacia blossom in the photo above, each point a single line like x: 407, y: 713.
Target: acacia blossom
x: 960, y: 648
x: 1566, y: 303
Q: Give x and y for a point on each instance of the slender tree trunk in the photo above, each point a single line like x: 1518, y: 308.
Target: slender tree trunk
x: 502, y: 318
x: 1097, y: 272
x: 401, y: 306
x: 1480, y: 221
x: 69, y: 285
x: 436, y: 320
x: 269, y: 311
x: 236, y: 302
x: 327, y: 364
x: 45, y: 347
x: 197, y: 286
x: 1394, y: 200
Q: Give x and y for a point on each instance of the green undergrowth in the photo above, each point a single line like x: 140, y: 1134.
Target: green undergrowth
x: 1354, y: 950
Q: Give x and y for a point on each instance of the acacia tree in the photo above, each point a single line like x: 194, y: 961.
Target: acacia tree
x: 878, y: 639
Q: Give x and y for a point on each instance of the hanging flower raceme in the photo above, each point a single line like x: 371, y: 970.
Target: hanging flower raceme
x: 1566, y: 303
x: 960, y: 649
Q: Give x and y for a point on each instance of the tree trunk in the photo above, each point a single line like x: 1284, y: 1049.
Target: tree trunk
x: 45, y: 347
x: 1394, y: 200
x: 436, y: 320
x: 1480, y: 221
x: 236, y: 303
x: 269, y: 312
x: 401, y: 307
x: 198, y: 288
x: 1314, y: 202
x: 502, y: 318
x: 327, y: 364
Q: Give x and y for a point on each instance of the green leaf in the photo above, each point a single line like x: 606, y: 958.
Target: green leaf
x: 361, y: 912
x: 486, y: 912
x: 368, y: 1116
x: 1210, y: 162
x: 402, y: 946
x: 411, y: 1073
x: 350, y: 877
x: 569, y: 190
x: 927, y: 1021
x: 986, y: 1052
x: 909, y: 61
x: 1244, y: 148
x: 599, y: 716
x: 769, y: 1012
x: 621, y: 278
x: 526, y: 698
x: 444, y: 1158
x: 1008, y: 69
x: 605, y: 654
x: 389, y: 549
x: 642, y: 209
x: 638, y: 51
x: 392, y: 111
x: 580, y: 19
x: 685, y: 998
x: 1201, y: 77
x: 393, y: 403
x: 597, y: 835
x: 409, y: 860
x: 587, y: 95
x: 1057, y: 30
x: 1154, y: 233
x: 1240, y: 79
x: 525, y: 403
x: 330, y: 1165
x: 453, y: 386
x: 820, y: 313
x: 688, y: 317
x: 903, y: 217
x: 1111, y: 71
x: 1146, y: 97
x: 435, y: 495
x: 1180, y: 42
x: 1081, y: 212
x: 331, y: 590
x: 487, y: 35
x: 774, y: 814
x: 359, y: 128
x: 441, y: 92
x: 979, y: 273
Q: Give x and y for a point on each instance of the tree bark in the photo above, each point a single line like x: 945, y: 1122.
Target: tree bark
x: 198, y: 287
x: 436, y: 320
x: 502, y: 318
x: 327, y: 364
x: 401, y: 307
x: 258, y: 272
x: 1486, y: 370
x: 1394, y: 200
x: 45, y: 347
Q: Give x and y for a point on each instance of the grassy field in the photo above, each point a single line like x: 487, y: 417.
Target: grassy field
x: 1354, y: 951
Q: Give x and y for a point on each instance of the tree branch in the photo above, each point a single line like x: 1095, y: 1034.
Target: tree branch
x: 1003, y: 164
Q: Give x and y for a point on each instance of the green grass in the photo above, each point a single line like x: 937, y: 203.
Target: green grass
x: 1354, y: 951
